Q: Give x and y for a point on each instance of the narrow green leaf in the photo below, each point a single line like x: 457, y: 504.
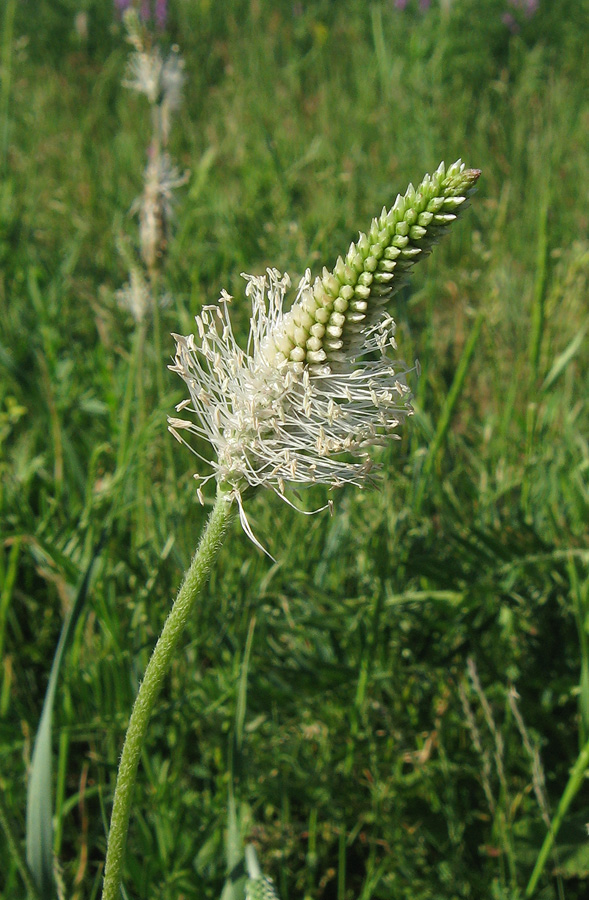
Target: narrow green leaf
x: 580, y: 597
x: 576, y: 779
x: 9, y: 577
x: 538, y: 316
x: 234, y: 885
x: 15, y: 849
x: 6, y: 81
x: 562, y: 361
x: 39, y: 837
x: 448, y: 408
x: 242, y: 695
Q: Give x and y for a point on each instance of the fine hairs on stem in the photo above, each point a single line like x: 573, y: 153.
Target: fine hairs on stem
x: 150, y: 687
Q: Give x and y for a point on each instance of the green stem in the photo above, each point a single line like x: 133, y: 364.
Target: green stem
x: 157, y: 332
x: 157, y: 346
x: 125, y: 416
x: 142, y: 510
x: 149, y: 690
x: 575, y: 781
x: 538, y: 314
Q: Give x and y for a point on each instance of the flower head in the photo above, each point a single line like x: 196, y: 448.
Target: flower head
x: 155, y: 206
x: 147, y: 72
x: 135, y: 296
x: 316, y: 388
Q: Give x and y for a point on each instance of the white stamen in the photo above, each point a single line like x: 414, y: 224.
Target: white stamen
x: 293, y: 423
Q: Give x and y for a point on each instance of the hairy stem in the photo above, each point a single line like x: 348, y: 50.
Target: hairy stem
x: 149, y: 690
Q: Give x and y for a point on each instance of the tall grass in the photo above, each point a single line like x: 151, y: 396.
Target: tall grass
x: 357, y: 774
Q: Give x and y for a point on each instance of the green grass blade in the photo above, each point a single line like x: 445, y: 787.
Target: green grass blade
x: 15, y: 849
x: 242, y: 694
x: 39, y: 813
x: 234, y: 885
x: 233, y: 888
x: 448, y: 408
x: 538, y: 316
x: 381, y: 52
x: 39, y: 834
x: 8, y: 577
x: 562, y: 361
x: 574, y: 783
x: 6, y: 80
x: 580, y: 597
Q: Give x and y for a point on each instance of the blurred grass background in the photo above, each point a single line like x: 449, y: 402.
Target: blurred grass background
x: 373, y: 764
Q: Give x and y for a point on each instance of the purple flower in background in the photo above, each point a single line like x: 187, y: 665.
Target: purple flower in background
x: 528, y: 7
x: 149, y: 11
x: 161, y: 13
x: 424, y: 5
x: 508, y: 20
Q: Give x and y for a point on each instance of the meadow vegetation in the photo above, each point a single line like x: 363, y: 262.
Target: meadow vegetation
x: 395, y: 707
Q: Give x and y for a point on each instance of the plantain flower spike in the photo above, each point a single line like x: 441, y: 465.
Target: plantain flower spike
x: 316, y: 389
